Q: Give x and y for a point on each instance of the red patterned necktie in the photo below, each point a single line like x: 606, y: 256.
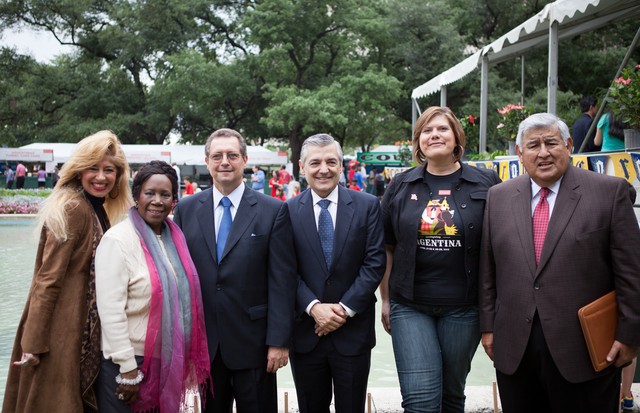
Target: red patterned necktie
x: 540, y: 222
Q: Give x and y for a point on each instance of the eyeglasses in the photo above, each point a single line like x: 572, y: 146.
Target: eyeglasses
x: 231, y: 156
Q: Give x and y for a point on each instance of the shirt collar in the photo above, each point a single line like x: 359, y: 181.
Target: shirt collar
x: 419, y: 172
x: 535, y: 188
x: 333, y: 196
x: 235, y: 196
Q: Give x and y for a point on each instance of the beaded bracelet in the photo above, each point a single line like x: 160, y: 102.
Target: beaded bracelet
x: 130, y: 382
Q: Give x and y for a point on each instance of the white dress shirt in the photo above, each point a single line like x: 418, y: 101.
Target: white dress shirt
x: 235, y: 197
x: 333, y: 206
x: 551, y: 196
x: 333, y: 211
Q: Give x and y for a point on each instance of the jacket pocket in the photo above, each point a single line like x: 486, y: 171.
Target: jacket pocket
x: 479, y: 195
x: 595, y: 234
x: 257, y: 312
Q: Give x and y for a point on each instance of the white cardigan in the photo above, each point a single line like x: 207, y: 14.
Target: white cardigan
x: 123, y: 293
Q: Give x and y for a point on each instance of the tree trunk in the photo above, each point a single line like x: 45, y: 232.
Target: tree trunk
x: 295, y: 143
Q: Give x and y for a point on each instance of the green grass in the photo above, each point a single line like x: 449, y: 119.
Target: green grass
x: 43, y: 193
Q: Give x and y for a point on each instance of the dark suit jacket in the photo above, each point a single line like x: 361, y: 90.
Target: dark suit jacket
x: 591, y: 248
x: 248, y: 297
x: 358, y: 266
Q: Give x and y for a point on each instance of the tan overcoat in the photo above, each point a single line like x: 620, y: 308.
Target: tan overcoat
x: 53, y: 320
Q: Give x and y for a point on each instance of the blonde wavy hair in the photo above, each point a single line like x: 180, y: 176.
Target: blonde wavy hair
x: 67, y: 193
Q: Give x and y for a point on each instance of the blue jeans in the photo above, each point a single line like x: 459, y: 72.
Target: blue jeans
x: 433, y: 348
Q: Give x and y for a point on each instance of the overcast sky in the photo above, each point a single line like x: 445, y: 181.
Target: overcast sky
x: 42, y: 46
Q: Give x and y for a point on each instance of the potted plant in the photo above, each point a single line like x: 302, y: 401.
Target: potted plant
x: 512, y: 115
x: 624, y: 101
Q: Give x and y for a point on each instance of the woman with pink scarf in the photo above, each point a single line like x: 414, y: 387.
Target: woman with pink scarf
x: 153, y: 336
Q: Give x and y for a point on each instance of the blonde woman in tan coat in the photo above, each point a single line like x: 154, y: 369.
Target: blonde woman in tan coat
x: 56, y: 354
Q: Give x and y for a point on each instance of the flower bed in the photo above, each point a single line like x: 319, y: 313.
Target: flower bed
x: 15, y: 208
x: 21, y: 201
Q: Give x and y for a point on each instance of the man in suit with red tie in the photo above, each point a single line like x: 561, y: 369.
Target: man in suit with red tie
x: 340, y: 254
x: 240, y: 242
x: 554, y: 240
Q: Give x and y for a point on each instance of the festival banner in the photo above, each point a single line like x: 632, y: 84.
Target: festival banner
x: 26, y: 154
x: 514, y: 169
x: 503, y: 170
x: 148, y: 156
x: 598, y: 164
x: 482, y: 164
x: 635, y: 159
x: 390, y: 172
x: 580, y: 161
x: 622, y: 166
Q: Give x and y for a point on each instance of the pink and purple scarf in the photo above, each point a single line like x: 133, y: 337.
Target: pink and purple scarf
x: 176, y: 358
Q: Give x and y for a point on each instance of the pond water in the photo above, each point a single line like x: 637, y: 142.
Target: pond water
x: 17, y: 255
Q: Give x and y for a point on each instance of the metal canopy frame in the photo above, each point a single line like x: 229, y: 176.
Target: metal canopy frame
x: 559, y: 20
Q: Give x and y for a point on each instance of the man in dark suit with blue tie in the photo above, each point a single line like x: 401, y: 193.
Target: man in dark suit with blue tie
x: 339, y: 245
x: 241, y: 242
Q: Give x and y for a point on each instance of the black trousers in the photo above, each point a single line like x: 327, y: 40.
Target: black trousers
x: 254, y: 390
x: 106, y: 387
x: 537, y: 385
x: 317, y: 372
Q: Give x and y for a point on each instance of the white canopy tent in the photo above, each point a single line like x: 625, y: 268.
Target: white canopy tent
x: 180, y: 154
x: 559, y: 20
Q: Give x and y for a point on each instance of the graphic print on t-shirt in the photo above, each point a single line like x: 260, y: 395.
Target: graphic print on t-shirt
x: 437, y: 218
x: 438, y: 230
x: 441, y: 278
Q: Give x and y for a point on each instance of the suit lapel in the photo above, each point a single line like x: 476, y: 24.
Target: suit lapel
x: 308, y: 224
x: 566, y: 202
x: 245, y: 215
x: 204, y: 214
x: 521, y: 208
x: 344, y: 218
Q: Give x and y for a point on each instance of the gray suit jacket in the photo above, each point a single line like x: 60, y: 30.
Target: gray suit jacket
x: 591, y: 248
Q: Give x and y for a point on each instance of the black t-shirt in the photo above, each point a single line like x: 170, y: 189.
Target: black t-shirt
x: 440, y: 277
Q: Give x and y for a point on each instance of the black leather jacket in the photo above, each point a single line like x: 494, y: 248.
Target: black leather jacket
x: 404, y: 201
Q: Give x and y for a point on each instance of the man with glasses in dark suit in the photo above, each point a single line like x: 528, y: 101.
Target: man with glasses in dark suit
x: 241, y: 243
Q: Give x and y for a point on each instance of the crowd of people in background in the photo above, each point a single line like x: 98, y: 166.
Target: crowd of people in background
x: 20, y: 174
x: 281, y: 184
x: 608, y: 136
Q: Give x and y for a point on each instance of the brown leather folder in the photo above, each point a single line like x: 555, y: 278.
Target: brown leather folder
x: 599, y: 320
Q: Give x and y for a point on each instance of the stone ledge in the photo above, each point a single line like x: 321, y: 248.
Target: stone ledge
x: 388, y: 399
x: 17, y: 217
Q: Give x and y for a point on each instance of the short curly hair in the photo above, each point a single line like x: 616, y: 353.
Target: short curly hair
x: 155, y: 168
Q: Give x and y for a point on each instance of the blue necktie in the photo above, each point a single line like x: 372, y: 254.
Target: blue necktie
x: 225, y: 226
x: 325, y: 231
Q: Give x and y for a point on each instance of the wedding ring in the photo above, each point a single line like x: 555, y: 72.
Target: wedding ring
x: 121, y: 396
